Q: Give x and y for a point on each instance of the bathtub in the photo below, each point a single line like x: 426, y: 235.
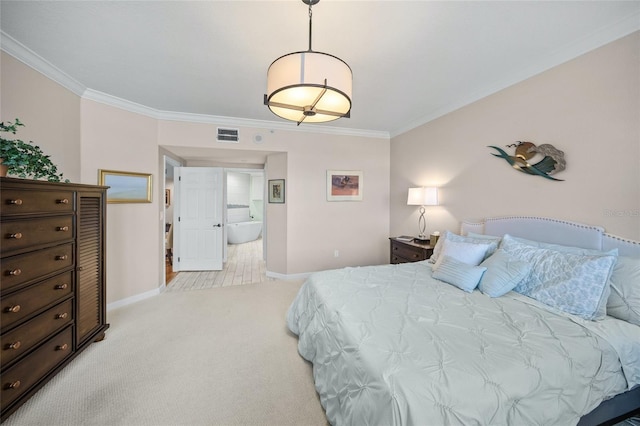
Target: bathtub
x: 243, y: 232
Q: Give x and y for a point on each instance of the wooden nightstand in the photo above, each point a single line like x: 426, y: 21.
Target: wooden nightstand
x: 403, y: 251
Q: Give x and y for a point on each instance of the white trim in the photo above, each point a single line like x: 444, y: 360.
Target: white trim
x: 590, y: 42
x: 280, y: 276
x: 38, y: 63
x: 33, y: 60
x: 132, y: 299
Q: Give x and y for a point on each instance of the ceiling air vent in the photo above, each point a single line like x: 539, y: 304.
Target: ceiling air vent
x: 228, y: 135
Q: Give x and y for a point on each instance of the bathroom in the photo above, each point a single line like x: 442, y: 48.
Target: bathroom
x: 245, y: 205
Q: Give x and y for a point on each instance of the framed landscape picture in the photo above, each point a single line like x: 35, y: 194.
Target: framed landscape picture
x: 126, y: 187
x: 344, y: 185
x: 276, y: 191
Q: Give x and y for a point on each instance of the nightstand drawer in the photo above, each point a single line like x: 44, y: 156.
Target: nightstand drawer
x: 404, y: 251
x: 408, y: 252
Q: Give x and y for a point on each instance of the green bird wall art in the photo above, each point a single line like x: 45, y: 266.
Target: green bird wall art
x: 552, y: 159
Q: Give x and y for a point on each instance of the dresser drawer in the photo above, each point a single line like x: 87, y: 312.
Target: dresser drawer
x: 22, y: 304
x: 29, y: 371
x: 20, y: 269
x: 24, y: 233
x: 17, y: 201
x: 23, y: 338
x: 411, y: 254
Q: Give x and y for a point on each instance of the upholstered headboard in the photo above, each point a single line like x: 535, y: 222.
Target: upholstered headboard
x: 553, y: 231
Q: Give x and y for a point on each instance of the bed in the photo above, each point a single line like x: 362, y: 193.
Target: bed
x: 419, y: 344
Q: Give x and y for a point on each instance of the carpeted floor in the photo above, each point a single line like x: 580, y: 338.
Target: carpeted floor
x: 219, y: 356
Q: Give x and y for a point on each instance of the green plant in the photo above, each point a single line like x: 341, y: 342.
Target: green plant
x: 24, y: 159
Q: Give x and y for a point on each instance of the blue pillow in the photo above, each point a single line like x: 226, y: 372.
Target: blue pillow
x: 503, y: 274
x: 574, y: 283
x: 459, y: 274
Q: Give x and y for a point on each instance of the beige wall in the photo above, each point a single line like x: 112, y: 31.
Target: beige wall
x: 588, y: 107
x: 316, y: 228
x: 114, y: 139
x: 275, y: 232
x: 50, y: 113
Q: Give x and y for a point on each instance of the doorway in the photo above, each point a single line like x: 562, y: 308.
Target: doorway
x: 244, y: 192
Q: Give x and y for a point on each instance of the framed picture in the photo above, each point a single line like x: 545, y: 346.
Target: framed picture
x: 126, y: 187
x: 276, y: 191
x: 344, y: 185
x: 167, y: 197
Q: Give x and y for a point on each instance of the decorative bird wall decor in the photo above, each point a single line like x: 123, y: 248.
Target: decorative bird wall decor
x: 552, y: 159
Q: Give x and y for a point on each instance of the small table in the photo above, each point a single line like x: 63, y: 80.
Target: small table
x: 409, y: 251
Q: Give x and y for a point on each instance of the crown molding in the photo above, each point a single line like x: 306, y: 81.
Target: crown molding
x: 271, y: 125
x: 25, y: 55
x: 38, y: 63
x: 590, y: 42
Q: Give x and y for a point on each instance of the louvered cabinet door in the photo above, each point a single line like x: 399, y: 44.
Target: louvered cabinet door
x: 90, y: 289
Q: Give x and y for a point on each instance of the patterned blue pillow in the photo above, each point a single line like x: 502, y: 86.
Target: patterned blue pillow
x: 460, y: 274
x: 574, y: 283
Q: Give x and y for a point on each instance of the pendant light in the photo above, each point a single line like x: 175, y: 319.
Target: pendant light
x: 308, y: 86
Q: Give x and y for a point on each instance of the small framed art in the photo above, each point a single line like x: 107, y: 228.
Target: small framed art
x: 344, y: 185
x: 276, y: 191
x: 126, y: 187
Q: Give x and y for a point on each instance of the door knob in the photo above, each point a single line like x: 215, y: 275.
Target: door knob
x: 218, y: 225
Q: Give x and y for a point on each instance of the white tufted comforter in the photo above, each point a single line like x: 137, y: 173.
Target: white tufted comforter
x: 390, y: 345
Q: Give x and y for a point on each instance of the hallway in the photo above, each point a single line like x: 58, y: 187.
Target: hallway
x: 244, y: 266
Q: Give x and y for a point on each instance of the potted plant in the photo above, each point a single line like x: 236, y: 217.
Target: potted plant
x: 24, y: 159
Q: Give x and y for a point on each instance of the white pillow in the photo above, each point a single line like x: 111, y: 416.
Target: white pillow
x: 469, y: 253
x: 450, y: 236
x: 459, y: 274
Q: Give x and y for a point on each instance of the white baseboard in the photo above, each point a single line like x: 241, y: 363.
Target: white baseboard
x: 280, y: 276
x: 157, y: 291
x: 132, y: 299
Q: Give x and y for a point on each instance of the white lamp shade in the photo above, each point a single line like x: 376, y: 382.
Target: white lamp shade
x: 295, y: 80
x: 425, y: 196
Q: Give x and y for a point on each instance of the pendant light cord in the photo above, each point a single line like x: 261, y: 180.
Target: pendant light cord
x: 310, y: 16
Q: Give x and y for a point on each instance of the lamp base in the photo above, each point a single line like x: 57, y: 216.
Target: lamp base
x: 421, y: 239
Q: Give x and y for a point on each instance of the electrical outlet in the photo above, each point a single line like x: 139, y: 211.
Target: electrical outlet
x: 336, y: 253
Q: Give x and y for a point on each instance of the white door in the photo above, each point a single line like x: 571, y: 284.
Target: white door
x: 198, y: 236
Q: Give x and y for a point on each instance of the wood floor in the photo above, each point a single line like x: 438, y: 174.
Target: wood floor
x: 244, y: 266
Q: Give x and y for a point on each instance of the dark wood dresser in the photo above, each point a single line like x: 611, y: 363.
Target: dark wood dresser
x: 409, y: 251
x: 52, y: 288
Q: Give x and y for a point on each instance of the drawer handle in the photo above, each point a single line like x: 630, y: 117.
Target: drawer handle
x: 16, y: 236
x: 17, y: 202
x: 14, y: 345
x: 62, y: 228
x: 62, y: 347
x: 62, y: 201
x: 61, y: 286
x: 12, y: 309
x: 62, y: 257
x: 395, y: 248
x: 14, y: 272
x: 14, y: 385
x: 62, y: 316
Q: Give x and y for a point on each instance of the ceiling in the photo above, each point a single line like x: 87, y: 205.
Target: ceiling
x: 412, y: 61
